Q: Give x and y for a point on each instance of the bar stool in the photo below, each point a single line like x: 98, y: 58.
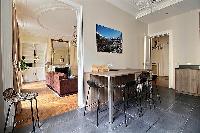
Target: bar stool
x: 131, y: 85
x: 92, y: 84
x: 142, y: 88
x: 11, y: 96
x: 124, y: 86
x: 154, y: 79
x: 150, y: 89
x: 145, y: 86
x: 139, y: 89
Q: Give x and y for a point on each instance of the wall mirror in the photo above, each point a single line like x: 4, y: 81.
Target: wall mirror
x: 60, y: 52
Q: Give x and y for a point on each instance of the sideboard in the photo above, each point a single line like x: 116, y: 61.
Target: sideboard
x: 187, y: 81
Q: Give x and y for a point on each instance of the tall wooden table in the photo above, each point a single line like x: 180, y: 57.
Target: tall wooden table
x: 109, y: 75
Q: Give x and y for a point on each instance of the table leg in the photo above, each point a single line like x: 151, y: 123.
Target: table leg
x: 110, y: 100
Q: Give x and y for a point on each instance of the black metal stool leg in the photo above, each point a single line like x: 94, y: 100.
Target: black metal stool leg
x: 32, y: 115
x: 14, y: 121
x: 140, y: 104
x: 98, y: 102
x: 86, y: 101
x: 124, y: 100
x: 7, y: 116
x: 38, y: 120
x: 151, y: 95
x: 137, y: 98
x: 156, y: 84
x: 128, y: 96
x: 158, y: 94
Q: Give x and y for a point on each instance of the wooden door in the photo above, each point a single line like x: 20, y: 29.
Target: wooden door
x: 186, y: 80
x: 182, y: 80
x: 198, y: 82
x: 177, y: 80
x: 193, y: 81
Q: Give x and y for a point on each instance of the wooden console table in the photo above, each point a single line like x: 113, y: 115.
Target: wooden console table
x: 187, y: 81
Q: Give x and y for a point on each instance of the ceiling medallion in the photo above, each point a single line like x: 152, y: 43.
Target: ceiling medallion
x: 49, y: 29
x: 41, y: 13
x: 146, y: 7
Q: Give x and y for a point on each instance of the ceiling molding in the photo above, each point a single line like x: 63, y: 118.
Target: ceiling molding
x: 158, y: 6
x: 159, y: 14
x: 34, y: 18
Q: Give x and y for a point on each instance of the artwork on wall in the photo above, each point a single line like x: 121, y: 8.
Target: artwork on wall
x: 108, y: 40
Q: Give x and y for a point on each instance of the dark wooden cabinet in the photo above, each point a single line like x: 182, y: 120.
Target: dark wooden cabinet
x: 70, y: 86
x: 187, y: 81
x: 61, y: 84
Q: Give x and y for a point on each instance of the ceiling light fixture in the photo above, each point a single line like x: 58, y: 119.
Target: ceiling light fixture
x: 146, y: 7
x: 74, y: 37
x: 143, y: 4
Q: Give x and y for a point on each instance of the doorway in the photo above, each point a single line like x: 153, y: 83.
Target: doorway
x: 36, y: 55
x: 160, y: 59
x: 148, y: 51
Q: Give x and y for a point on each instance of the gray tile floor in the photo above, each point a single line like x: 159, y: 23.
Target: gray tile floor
x: 177, y: 113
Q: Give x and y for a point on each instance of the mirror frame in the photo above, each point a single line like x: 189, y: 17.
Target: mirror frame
x: 52, y: 51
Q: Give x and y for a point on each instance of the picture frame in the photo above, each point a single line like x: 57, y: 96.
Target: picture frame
x: 108, y: 39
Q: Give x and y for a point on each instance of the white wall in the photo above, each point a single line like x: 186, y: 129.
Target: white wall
x: 6, y: 47
x: 1, y: 83
x: 101, y: 12
x: 1, y: 95
x: 184, y: 36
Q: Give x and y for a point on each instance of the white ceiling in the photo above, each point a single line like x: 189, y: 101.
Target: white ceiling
x: 184, y: 6
x: 54, y: 19
x: 46, y: 18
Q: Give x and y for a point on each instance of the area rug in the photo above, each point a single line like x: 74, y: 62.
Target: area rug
x: 49, y: 103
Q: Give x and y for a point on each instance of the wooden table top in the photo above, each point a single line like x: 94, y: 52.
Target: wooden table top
x: 119, y: 72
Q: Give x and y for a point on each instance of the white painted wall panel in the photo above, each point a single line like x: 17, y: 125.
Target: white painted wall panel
x: 133, y: 31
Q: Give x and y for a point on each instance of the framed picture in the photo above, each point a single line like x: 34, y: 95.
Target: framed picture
x: 108, y: 40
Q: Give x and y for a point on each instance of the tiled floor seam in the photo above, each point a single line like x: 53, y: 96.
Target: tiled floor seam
x: 153, y: 124
x: 166, y: 110
x: 185, y: 123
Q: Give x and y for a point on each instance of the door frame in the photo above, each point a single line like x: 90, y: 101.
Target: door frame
x: 80, y: 48
x: 171, y: 56
x: 147, y: 52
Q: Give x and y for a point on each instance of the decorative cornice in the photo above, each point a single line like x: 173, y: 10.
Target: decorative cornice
x: 157, y: 7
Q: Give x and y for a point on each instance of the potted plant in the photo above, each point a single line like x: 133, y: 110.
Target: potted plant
x: 23, y: 65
